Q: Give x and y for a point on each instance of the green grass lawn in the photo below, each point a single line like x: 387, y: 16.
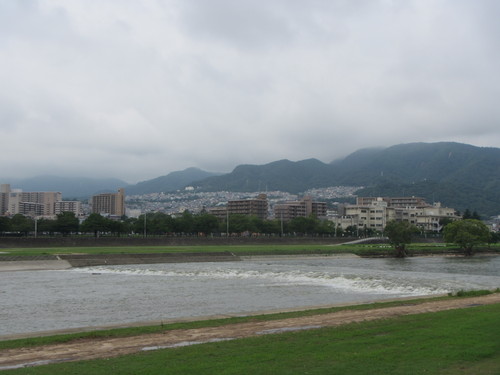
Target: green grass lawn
x: 463, y: 341
x: 243, y: 250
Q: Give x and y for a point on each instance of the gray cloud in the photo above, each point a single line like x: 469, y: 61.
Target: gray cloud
x: 138, y: 89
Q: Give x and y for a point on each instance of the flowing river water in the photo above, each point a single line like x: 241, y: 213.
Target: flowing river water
x: 35, y: 301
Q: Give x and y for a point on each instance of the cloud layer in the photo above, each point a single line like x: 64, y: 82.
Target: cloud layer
x: 137, y: 89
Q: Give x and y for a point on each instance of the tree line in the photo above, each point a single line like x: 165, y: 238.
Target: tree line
x: 159, y: 223
x: 467, y: 233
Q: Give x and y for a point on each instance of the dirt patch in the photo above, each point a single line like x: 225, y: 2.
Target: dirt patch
x: 111, y: 347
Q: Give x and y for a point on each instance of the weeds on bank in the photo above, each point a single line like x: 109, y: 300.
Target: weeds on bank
x: 473, y: 293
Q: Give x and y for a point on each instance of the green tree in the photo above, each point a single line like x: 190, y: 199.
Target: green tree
x: 117, y: 227
x: 338, y: 231
x: 157, y: 223
x: 95, y: 223
x: 22, y: 224
x: 443, y: 222
x: 400, y: 234
x: 364, y: 231
x: 66, y: 223
x: 467, y: 214
x: 241, y: 223
x: 475, y: 216
x: 129, y: 224
x: 46, y: 226
x: 138, y: 224
x: 467, y: 234
x: 304, y: 225
x: 205, y: 223
x: 326, y: 227
x: 254, y: 224
x: 4, y: 224
x: 495, y: 237
x: 185, y: 223
x: 351, y: 231
x: 273, y: 226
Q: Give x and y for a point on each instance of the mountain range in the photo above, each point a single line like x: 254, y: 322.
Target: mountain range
x: 458, y: 175
x: 171, y: 182
x: 79, y: 188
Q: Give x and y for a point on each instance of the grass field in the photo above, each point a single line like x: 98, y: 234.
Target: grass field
x: 464, y: 341
x: 253, y: 249
x: 418, y: 248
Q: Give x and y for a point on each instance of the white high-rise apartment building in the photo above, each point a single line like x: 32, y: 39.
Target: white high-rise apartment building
x: 33, y: 203
x: 68, y: 206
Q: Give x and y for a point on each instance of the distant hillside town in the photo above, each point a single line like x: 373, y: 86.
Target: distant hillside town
x: 367, y: 213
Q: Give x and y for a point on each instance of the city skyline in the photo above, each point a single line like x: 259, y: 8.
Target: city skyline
x: 137, y: 90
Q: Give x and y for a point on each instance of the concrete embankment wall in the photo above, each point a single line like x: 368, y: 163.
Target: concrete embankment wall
x: 13, y: 263
x: 34, y: 265
x: 86, y: 260
x: 26, y: 242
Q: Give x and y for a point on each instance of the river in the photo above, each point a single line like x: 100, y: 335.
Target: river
x: 35, y: 301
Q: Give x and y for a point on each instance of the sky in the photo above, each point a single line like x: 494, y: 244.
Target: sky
x: 137, y: 89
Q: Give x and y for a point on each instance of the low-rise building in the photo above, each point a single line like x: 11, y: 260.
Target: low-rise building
x: 375, y: 213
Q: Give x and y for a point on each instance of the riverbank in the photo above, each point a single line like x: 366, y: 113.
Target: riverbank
x: 34, y: 265
x: 66, y: 261
x: 93, y: 348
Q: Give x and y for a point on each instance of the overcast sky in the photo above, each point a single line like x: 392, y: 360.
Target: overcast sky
x: 135, y: 89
